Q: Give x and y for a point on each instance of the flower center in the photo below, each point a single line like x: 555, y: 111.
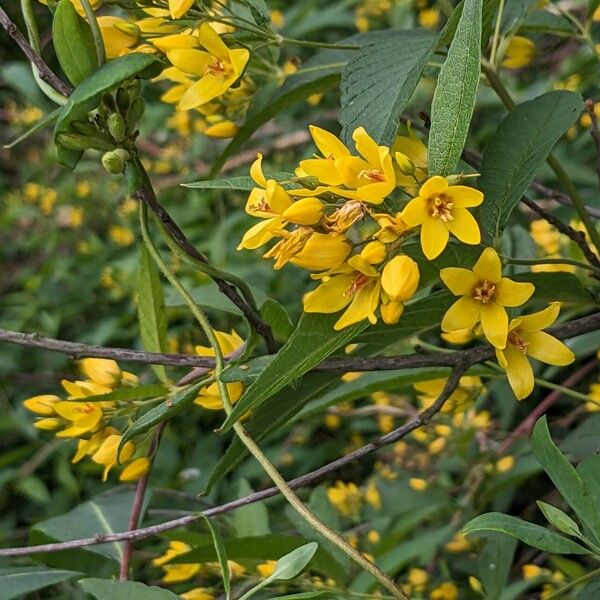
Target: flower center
x: 292, y: 243
x: 441, y: 208
x: 514, y: 339
x: 86, y: 410
x: 357, y: 284
x: 345, y: 216
x: 215, y: 67
x: 484, y: 291
x: 372, y: 175
x: 262, y: 205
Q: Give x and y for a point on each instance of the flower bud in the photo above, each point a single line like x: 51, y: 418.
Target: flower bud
x: 41, y: 405
x: 116, y: 126
x: 136, y: 469
x: 400, y: 278
x: 77, y: 141
x: 114, y: 161
x: 405, y: 165
x: 391, y: 312
x: 307, y: 211
x: 222, y: 130
x: 374, y: 253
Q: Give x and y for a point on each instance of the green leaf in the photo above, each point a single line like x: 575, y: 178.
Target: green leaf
x: 313, y: 340
x: 88, y: 94
x: 151, y: 309
x: 278, y: 318
x: 221, y: 556
x: 589, y: 471
x: 304, y: 596
x: 243, y: 184
x: 379, y: 80
x: 252, y: 519
x: 455, y: 93
x: 529, y: 533
x: 494, y: 562
x: 487, y: 22
x: 45, y: 120
x: 559, y: 519
x: 287, y: 567
x: 124, y: 394
x: 565, y: 477
x: 263, y: 547
x: 561, y: 287
x: 74, y: 43
x: 17, y: 581
x: 164, y: 411
x: 105, y: 589
x: 516, y: 152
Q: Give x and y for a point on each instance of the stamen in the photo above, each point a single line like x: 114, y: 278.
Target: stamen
x: 514, y: 339
x: 484, y: 291
x: 441, y: 208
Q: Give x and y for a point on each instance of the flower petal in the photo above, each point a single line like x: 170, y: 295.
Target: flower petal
x: 513, y: 293
x: 363, y: 305
x: 459, y: 281
x: 330, y: 296
x: 256, y: 171
x: 189, y: 60
x: 367, y: 146
x: 488, y: 266
x: 463, y: 196
x: 415, y: 212
x: 540, y: 320
x: 433, y: 186
x: 210, y: 39
x: 434, y: 237
x: 494, y: 322
x: 327, y: 143
x: 519, y: 372
x: 204, y: 90
x: 464, y: 226
x: 462, y: 314
x: 546, y: 348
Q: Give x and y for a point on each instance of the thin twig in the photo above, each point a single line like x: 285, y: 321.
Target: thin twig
x: 46, y: 73
x: 594, y: 132
x: 304, y: 480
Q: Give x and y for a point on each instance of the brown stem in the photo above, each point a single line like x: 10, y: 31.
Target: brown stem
x: 45, y: 72
x: 138, y: 503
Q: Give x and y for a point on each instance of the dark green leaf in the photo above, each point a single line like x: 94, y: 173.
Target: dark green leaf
x: 494, y: 562
x: 517, y: 150
x: 151, y: 309
x: 123, y: 394
x: 252, y: 519
x: 105, y: 589
x: 277, y: 317
x: 17, y: 581
x: 219, y: 547
x: 378, y: 82
x: 455, y: 93
x: 565, y: 477
x: 313, y: 340
x: 561, y: 287
x: 529, y: 533
x: 74, y: 43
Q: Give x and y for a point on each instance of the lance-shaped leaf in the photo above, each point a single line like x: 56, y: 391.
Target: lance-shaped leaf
x: 17, y: 581
x: 105, y: 589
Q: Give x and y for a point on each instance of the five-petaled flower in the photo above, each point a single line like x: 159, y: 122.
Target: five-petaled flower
x: 441, y: 209
x: 526, y: 338
x: 484, y: 296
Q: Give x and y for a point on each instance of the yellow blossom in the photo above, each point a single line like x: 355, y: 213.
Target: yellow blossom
x: 458, y: 337
x: 218, y: 67
x: 42, y: 405
x: 527, y: 338
x: 372, y: 496
x: 458, y: 543
x: 506, y: 463
x: 429, y: 18
x: 441, y: 209
x: 418, y: 484
x: 178, y: 8
x: 118, y: 35
x: 519, y: 53
x: 531, y: 571
x: 373, y: 537
x: 593, y: 404
x: 399, y: 280
x: 346, y: 498
x: 468, y: 387
x: 177, y: 572
x: 484, y: 296
x: 267, y: 568
x: 106, y: 455
x: 121, y: 236
x: 135, y: 469
x: 197, y: 594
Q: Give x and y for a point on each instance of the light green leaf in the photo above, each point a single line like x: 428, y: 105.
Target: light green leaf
x: 455, y: 93
x: 565, y: 477
x: 74, y: 43
x: 244, y: 183
x: 559, y: 519
x: 151, y: 309
x: 287, y: 567
x: 105, y: 589
x: 516, y: 152
x: 529, y: 533
x: 278, y: 318
x: 379, y: 80
x: 17, y: 581
x: 313, y: 340
x: 252, y: 519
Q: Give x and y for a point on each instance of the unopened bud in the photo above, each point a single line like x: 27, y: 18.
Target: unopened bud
x: 405, y: 165
x: 77, y: 141
x: 116, y: 126
x: 115, y: 160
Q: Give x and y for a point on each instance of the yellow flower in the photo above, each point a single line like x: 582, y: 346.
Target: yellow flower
x: 197, y: 594
x: 178, y: 572
x: 320, y: 252
x: 441, y: 209
x: 458, y: 337
x: 446, y: 591
x: 372, y: 496
x: 527, y: 338
x: 484, y: 296
x: 417, y: 484
x: 355, y: 285
x: 346, y: 498
x: 429, y: 18
x: 77, y: 4
x: 519, y: 53
x: 412, y: 152
x: 106, y: 455
x: 459, y: 543
x: 218, y: 67
x: 84, y: 417
x: 593, y: 404
x: 468, y: 387
x: 221, y: 130
x: 118, y: 35
x: 101, y: 370
x: 136, y: 469
x: 506, y: 463
x: 178, y: 8
x: 399, y: 280
x: 267, y: 568
x: 531, y: 571
x: 121, y: 236
x: 545, y: 236
x: 41, y: 405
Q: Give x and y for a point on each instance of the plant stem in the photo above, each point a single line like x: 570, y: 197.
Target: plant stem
x: 309, y: 44
x: 96, y: 31
x: 504, y: 95
x: 551, y: 261
x: 250, y: 444
x: 496, y: 39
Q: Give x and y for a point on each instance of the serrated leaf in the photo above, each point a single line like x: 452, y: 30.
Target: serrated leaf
x: 243, y: 184
x: 559, y: 519
x: 151, y: 309
x: 313, y: 340
x: 516, y: 152
x: 379, y: 80
x: 106, y: 589
x: 74, y: 43
x: 455, y: 93
x: 529, y: 533
x: 565, y: 477
x: 17, y: 581
x: 287, y: 567
x: 164, y: 411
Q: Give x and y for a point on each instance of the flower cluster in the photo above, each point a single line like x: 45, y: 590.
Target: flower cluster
x: 78, y: 416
